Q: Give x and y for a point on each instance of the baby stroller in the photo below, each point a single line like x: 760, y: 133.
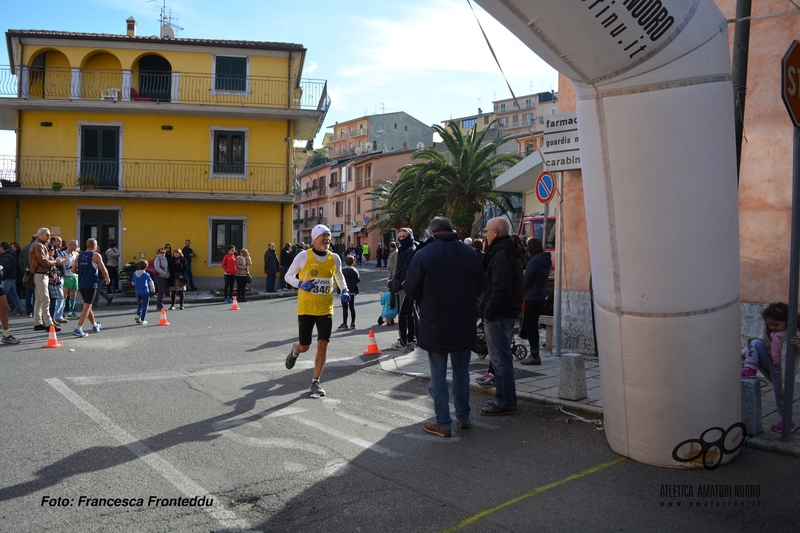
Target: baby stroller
x: 482, y: 349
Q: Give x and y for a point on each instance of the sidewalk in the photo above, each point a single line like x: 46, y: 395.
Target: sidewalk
x: 540, y: 384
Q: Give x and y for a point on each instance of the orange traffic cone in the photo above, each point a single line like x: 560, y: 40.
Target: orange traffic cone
x: 235, y: 305
x: 163, y: 321
x: 372, y: 346
x: 52, y: 340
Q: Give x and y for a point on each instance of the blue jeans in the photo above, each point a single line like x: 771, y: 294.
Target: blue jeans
x: 498, y: 339
x: 10, y: 288
x: 758, y: 354
x: 270, y: 282
x: 142, y: 303
x: 29, y: 298
x: 438, y: 386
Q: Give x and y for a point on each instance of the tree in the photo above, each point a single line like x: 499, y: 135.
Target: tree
x: 456, y: 185
x: 316, y: 159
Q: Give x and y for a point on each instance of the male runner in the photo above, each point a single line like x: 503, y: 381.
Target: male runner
x: 313, y: 272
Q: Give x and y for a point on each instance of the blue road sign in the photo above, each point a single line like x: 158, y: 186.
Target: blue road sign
x: 545, y: 187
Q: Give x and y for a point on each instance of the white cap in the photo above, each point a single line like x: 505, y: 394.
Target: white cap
x: 468, y: 240
x: 318, y: 230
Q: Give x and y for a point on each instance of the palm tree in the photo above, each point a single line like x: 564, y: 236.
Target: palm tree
x: 456, y: 186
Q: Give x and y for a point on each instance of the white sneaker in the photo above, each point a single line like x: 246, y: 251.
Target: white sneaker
x: 144, y: 322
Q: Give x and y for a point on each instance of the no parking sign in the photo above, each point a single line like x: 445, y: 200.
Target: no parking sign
x: 545, y: 187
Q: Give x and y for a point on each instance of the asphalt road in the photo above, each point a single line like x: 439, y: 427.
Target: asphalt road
x: 206, y: 409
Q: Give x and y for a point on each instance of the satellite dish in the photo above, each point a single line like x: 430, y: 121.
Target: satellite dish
x: 359, y: 149
x: 167, y: 32
x: 420, y: 145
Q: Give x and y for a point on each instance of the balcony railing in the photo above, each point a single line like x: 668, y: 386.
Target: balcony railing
x: 148, y: 86
x: 360, y: 132
x: 143, y: 175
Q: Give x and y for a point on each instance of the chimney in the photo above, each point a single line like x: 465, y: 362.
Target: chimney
x: 131, y: 27
x: 480, y: 112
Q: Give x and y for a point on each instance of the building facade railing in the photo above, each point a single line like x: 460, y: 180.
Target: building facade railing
x: 360, y: 132
x: 162, y: 86
x: 143, y: 175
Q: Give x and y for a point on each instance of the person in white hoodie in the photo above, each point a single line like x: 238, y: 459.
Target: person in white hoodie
x: 145, y: 288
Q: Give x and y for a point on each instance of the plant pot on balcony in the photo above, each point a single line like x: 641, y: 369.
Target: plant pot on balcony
x: 87, y: 181
x: 57, y: 186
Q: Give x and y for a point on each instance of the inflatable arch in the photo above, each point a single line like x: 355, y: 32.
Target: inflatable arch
x: 655, y: 108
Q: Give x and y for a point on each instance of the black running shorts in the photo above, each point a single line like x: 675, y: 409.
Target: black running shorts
x: 306, y: 325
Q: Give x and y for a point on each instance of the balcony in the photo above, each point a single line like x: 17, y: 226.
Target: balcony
x: 135, y: 177
x: 360, y: 132
x: 68, y: 89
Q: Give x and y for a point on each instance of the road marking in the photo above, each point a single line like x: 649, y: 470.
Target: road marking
x: 183, y: 483
x: 389, y: 396
x: 181, y: 374
x: 531, y: 493
x: 352, y: 440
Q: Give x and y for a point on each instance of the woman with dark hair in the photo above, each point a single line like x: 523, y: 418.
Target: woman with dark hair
x: 112, y: 265
x: 177, y: 271
x: 536, y: 273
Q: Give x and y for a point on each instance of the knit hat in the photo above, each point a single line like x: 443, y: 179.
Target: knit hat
x: 318, y: 230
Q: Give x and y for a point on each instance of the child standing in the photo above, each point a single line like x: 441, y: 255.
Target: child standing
x: 352, y: 279
x: 389, y: 306
x: 144, y: 288
x: 768, y: 353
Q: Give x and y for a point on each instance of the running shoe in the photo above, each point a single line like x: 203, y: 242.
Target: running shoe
x: 144, y: 322
x: 342, y: 326
x: 96, y: 327
x: 778, y: 428
x: 78, y: 332
x: 73, y: 316
x: 138, y: 320
x: 9, y: 339
x: 291, y: 359
x: 316, y: 390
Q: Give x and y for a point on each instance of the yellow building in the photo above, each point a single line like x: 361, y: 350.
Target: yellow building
x: 153, y: 140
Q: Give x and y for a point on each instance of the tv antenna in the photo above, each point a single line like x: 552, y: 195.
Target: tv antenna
x: 166, y: 21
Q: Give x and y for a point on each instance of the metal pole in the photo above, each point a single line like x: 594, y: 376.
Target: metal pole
x: 560, y: 254
x: 794, y: 270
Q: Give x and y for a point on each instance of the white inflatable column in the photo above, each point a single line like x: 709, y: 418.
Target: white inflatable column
x: 655, y: 117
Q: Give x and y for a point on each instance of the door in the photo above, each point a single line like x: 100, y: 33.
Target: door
x: 99, y: 224
x: 100, y: 156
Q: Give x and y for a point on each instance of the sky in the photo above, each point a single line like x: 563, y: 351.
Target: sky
x: 425, y: 57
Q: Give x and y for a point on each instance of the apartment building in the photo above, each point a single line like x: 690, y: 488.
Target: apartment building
x: 149, y: 140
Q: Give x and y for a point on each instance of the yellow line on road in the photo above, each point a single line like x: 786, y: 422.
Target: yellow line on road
x: 533, y: 492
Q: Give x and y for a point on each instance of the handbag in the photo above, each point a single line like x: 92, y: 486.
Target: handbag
x: 27, y: 279
x: 249, y: 277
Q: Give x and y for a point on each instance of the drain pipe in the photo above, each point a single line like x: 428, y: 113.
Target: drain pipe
x: 741, y: 48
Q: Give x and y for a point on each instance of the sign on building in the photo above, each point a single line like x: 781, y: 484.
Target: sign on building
x: 560, y: 148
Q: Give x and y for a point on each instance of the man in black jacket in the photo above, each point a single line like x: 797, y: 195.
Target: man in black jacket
x: 500, y: 306
x: 271, y: 266
x: 445, y: 279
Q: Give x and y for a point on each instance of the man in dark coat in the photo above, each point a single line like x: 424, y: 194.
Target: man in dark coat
x: 271, y: 266
x: 445, y: 278
x: 500, y: 306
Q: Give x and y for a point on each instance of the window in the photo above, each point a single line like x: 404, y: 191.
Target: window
x: 406, y: 128
x: 358, y: 205
x: 486, y: 119
x: 514, y: 104
x: 224, y: 233
x: 334, y: 183
x: 313, y: 213
x: 468, y: 123
x: 528, y: 103
x: 502, y: 121
x: 338, y: 209
x: 230, y: 74
x: 502, y: 108
x: 229, y: 152
x: 359, y: 177
x: 368, y: 180
x: 528, y: 117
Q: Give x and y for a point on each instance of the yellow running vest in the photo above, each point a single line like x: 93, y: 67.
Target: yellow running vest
x: 318, y: 302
